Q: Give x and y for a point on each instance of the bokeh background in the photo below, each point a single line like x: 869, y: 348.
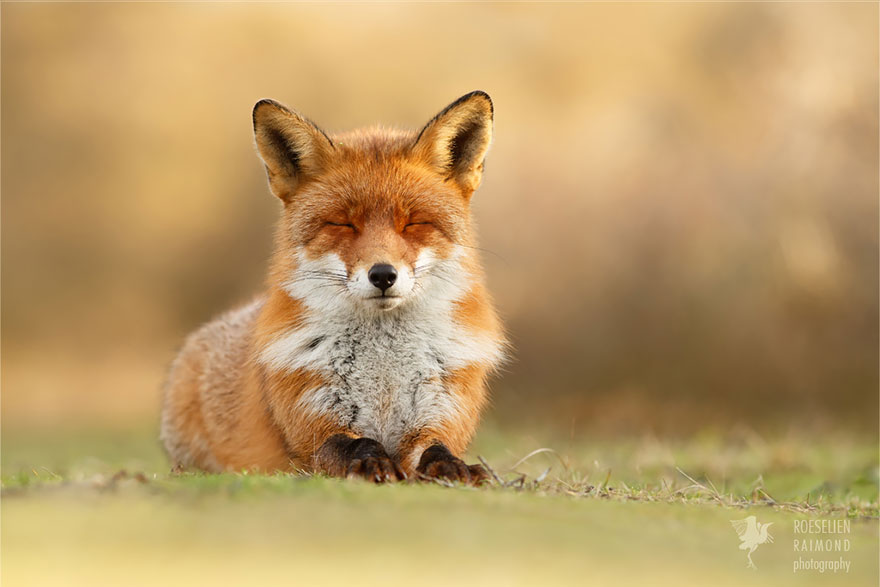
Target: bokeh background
x: 680, y: 211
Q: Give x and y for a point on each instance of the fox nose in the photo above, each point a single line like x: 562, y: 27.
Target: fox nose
x: 382, y: 275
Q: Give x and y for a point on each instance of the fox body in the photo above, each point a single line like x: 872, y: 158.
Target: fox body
x: 369, y: 351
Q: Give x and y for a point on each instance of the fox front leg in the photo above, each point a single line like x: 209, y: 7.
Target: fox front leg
x: 347, y: 456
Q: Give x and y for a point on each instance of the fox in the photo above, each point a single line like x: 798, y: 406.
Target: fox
x: 367, y: 355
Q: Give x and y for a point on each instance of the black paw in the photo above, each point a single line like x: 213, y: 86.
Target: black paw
x: 364, y: 458
x: 438, y: 463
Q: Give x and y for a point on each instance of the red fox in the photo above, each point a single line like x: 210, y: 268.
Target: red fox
x: 368, y: 354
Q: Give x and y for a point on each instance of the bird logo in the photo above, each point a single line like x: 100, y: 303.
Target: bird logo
x: 752, y: 534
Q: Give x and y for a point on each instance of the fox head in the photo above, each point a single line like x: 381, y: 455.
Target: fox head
x: 375, y: 219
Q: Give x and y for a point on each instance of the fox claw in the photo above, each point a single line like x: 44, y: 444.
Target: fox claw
x: 378, y: 469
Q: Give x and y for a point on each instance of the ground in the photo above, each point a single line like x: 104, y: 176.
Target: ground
x: 101, y: 508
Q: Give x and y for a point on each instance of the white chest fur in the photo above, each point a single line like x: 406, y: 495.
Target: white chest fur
x: 384, y: 371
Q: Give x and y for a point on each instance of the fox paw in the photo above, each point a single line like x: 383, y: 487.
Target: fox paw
x: 364, y: 458
x: 378, y: 469
x: 438, y: 463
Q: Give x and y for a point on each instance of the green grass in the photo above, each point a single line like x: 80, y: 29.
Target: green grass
x: 100, y: 508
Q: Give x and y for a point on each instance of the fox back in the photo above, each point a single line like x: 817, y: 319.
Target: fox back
x: 368, y: 353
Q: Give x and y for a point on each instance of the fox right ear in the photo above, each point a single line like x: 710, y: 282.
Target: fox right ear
x: 456, y: 141
x: 292, y: 148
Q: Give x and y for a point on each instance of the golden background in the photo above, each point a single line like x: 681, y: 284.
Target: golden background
x: 679, y: 212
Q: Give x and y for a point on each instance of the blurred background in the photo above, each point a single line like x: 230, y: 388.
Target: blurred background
x: 680, y: 210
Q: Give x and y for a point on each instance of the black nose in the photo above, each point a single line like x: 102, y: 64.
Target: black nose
x: 382, y: 275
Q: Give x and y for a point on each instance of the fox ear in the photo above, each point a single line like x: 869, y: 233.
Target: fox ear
x: 456, y: 141
x: 292, y: 148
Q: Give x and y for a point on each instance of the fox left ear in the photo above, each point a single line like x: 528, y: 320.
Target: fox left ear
x: 455, y: 141
x: 293, y: 149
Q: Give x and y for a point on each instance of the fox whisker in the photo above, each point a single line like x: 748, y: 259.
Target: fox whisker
x: 482, y: 250
x: 328, y: 274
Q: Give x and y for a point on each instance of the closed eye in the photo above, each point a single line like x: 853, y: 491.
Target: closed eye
x: 416, y: 224
x: 351, y: 226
